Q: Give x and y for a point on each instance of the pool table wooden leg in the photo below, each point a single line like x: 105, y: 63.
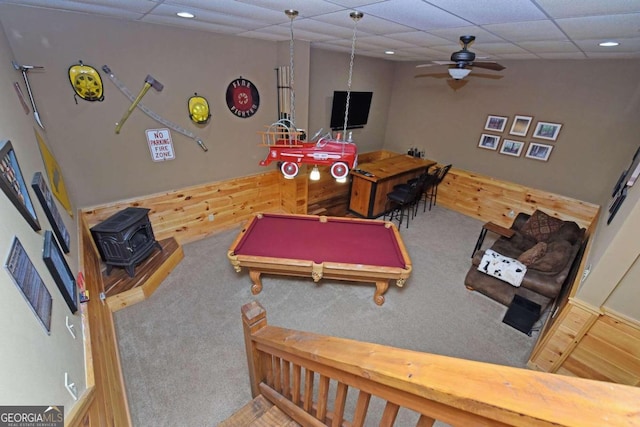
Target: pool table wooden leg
x: 256, y: 288
x: 381, y: 288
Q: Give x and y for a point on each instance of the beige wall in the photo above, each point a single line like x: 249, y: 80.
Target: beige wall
x: 330, y: 72
x: 102, y: 166
x: 595, y: 101
x: 32, y: 363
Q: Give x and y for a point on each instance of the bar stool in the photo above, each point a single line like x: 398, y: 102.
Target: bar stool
x: 401, y: 203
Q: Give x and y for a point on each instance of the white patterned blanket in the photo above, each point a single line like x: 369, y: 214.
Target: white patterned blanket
x: 501, y: 267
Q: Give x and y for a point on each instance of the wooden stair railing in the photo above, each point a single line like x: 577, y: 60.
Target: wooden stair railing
x: 309, y: 376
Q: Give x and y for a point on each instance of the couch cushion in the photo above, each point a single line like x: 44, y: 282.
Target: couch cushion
x: 569, y: 231
x: 555, y: 259
x: 532, y: 255
x: 540, y: 226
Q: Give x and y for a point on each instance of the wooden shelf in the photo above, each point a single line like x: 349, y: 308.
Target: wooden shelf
x: 122, y: 291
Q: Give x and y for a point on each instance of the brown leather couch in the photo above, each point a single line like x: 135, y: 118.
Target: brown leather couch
x: 547, y: 245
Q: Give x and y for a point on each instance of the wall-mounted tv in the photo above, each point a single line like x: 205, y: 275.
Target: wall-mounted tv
x: 359, y: 104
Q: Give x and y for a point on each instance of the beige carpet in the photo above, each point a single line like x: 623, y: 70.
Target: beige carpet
x: 182, y: 350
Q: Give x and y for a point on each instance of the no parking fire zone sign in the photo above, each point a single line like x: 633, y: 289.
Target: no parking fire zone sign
x: 160, y: 144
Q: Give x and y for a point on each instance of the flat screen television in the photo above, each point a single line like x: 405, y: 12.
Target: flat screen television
x: 359, y: 104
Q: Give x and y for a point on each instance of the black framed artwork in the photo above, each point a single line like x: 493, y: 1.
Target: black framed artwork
x: 13, y: 185
x: 29, y: 282
x: 45, y: 197
x: 60, y: 271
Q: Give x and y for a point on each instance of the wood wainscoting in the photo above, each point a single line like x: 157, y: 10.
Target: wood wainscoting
x: 490, y: 199
x: 193, y: 213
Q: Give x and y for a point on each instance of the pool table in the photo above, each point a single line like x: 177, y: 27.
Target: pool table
x: 352, y: 249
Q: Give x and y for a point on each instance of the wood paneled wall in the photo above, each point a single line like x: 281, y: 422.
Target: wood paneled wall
x: 490, y: 199
x: 105, y: 401
x: 588, y: 344
x: 184, y: 214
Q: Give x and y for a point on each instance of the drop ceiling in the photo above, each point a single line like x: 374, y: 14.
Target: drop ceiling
x: 415, y: 30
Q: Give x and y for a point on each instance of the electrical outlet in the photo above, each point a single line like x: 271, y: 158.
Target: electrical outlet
x: 211, y: 217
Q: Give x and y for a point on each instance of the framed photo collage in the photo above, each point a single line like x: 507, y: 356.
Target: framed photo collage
x: 513, y: 144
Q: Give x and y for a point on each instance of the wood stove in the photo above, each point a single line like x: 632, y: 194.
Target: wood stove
x: 125, y: 239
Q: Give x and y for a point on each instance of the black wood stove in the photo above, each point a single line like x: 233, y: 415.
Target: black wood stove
x: 125, y: 239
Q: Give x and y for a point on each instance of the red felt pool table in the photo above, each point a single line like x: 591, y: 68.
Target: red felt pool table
x: 354, y: 249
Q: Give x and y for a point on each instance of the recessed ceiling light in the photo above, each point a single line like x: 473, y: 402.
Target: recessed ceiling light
x: 186, y: 15
x: 389, y: 52
x: 608, y: 44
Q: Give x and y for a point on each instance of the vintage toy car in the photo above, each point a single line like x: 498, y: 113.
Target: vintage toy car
x: 286, y: 146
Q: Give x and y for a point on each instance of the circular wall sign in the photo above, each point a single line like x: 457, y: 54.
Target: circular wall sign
x: 243, y: 99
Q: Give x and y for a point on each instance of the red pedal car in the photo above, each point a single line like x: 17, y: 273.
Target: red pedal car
x: 285, y: 146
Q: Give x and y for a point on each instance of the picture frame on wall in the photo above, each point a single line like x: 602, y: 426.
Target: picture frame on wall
x: 511, y: 148
x: 547, y: 130
x: 496, y: 123
x: 488, y: 141
x: 26, y: 278
x: 539, y: 151
x: 520, y: 125
x: 13, y: 185
x: 60, y: 271
x: 45, y: 197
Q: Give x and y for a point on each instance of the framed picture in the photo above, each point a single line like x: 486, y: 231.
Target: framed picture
x: 539, y: 151
x: 60, y: 271
x: 546, y: 130
x: 511, y: 148
x: 496, y: 123
x: 45, y: 197
x: 490, y: 142
x: 30, y: 284
x: 13, y: 185
x: 520, y: 125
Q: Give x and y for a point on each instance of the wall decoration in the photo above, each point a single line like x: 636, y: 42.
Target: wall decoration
x: 160, y: 144
x: 242, y: 98
x: 60, y: 271
x: 199, y: 111
x: 86, y: 82
x: 13, y: 185
x: 626, y: 180
x: 29, y: 282
x: 511, y: 148
x: 54, y: 174
x: 539, y: 151
x: 546, y: 130
x: 488, y: 141
x: 20, y: 95
x: 496, y: 123
x: 520, y: 125
x: 51, y: 210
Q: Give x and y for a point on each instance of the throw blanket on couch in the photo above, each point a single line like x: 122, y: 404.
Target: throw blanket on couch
x: 501, y: 267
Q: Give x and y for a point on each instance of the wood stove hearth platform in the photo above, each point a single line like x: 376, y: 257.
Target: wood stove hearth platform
x: 121, y: 290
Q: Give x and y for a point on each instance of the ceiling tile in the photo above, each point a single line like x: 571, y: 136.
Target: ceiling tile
x: 570, y: 9
x: 481, y: 12
x: 414, y: 13
x: 529, y: 31
x: 594, y: 27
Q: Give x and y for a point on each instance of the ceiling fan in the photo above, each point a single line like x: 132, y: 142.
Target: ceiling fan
x: 463, y: 60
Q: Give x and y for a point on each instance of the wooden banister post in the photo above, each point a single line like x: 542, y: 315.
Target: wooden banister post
x: 254, y: 318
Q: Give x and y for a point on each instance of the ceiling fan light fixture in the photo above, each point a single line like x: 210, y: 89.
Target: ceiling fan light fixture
x: 459, y: 73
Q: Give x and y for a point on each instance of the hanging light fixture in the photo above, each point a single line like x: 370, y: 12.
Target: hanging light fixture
x: 315, y: 174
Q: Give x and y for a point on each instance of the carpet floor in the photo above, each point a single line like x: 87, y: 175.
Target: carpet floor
x: 182, y: 350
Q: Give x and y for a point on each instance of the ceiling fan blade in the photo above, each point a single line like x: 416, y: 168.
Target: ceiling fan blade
x: 486, y: 76
x: 456, y: 84
x: 488, y: 65
x: 434, y: 63
x: 436, y: 75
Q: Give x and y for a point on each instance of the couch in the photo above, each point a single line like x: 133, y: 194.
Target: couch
x: 546, y: 245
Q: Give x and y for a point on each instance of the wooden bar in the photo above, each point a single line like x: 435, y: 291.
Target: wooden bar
x: 368, y: 195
